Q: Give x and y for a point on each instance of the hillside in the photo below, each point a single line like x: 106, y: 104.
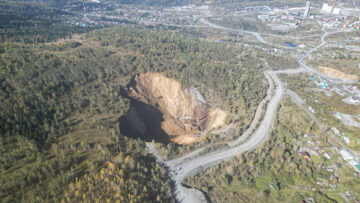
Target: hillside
x: 62, y: 109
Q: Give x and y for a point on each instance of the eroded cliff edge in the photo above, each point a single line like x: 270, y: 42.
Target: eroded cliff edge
x: 161, y: 106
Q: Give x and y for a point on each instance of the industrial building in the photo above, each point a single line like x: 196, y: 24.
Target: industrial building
x: 326, y: 8
x: 336, y: 11
x: 307, y: 9
x: 264, y: 17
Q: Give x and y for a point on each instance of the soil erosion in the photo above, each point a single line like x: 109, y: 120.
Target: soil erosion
x: 162, y: 110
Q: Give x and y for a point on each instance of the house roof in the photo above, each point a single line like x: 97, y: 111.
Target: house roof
x: 346, y: 155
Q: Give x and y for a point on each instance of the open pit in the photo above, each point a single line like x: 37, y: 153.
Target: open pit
x: 162, y: 110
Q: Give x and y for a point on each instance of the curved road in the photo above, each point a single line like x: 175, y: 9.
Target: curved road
x: 185, y: 166
x: 255, y: 34
x: 192, y: 166
x: 258, y: 113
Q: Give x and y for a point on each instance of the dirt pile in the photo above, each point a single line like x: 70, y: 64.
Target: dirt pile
x: 161, y: 106
x: 336, y: 74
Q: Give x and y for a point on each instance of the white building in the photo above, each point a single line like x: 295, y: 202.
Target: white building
x: 346, y: 155
x: 311, y: 109
x: 326, y: 8
x: 336, y: 11
x: 346, y: 140
x: 264, y: 17
x: 327, y: 156
x: 353, y: 163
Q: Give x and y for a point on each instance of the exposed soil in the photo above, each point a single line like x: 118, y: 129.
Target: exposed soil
x: 163, y: 111
x: 336, y: 74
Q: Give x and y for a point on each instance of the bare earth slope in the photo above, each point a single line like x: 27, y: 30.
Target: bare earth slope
x: 185, y: 112
x: 336, y: 74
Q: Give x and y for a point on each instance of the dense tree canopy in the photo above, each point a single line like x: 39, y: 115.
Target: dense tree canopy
x: 61, y: 107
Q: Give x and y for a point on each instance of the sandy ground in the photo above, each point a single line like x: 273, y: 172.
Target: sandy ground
x: 336, y: 74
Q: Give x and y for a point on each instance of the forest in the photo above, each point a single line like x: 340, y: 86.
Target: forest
x: 61, y: 107
x: 59, y: 127
x: 29, y: 22
x: 276, y: 172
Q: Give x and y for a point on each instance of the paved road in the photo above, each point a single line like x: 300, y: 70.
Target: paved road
x: 324, y: 77
x: 258, y: 114
x: 301, y: 103
x: 296, y: 98
x: 255, y: 34
x: 327, y: 79
x: 292, y: 71
x: 193, y: 166
x: 187, y: 165
x: 177, y: 161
